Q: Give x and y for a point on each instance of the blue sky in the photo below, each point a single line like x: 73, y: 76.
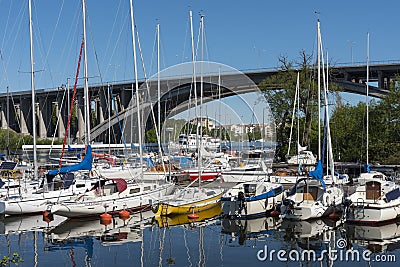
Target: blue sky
x: 242, y: 34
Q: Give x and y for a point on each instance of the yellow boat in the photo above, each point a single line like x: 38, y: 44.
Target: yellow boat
x: 166, y: 221
x: 189, y: 200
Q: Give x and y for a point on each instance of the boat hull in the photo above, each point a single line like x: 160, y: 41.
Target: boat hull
x: 306, y: 212
x: 176, y: 208
x: 373, y: 213
x: 232, y: 207
x: 132, y: 203
x: 167, y: 221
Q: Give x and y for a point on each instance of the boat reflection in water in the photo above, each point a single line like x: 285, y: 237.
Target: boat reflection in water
x: 167, y: 221
x: 253, y: 229
x: 116, y: 231
x: 25, y: 223
x: 377, y: 239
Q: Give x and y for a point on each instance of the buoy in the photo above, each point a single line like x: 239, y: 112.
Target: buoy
x: 274, y: 213
x: 334, y: 216
x: 193, y: 216
x: 47, y: 216
x: 124, y: 215
x: 105, y: 219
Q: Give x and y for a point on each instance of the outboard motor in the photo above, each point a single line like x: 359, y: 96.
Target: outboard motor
x: 242, y: 202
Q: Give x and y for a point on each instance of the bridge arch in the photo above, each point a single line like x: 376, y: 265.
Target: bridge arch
x: 177, y: 96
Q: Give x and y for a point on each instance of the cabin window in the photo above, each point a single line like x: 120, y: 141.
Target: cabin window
x: 80, y: 185
x: 134, y: 190
x: 210, y: 193
x: 146, y: 188
x: 311, y: 193
x: 11, y: 186
x: 250, y: 190
x: 392, y: 195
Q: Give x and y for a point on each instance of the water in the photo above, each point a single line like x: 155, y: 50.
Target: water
x: 145, y: 241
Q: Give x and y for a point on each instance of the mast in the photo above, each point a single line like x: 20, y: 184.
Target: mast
x: 158, y: 81
x: 109, y: 118
x: 195, y: 96
x: 219, y: 108
x: 319, y: 88
x: 294, y: 108
x: 366, y: 100
x: 137, y: 89
x: 85, y: 78
x: 201, y: 95
x: 298, y: 115
x: 35, y: 167
x: 8, y: 121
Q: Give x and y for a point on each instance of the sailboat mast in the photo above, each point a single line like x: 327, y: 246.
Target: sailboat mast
x: 85, y: 78
x: 137, y: 89
x: 298, y: 115
x: 8, y: 121
x: 158, y: 82
x: 35, y: 167
x: 291, y: 126
x: 366, y: 100
x: 201, y: 96
x: 319, y: 88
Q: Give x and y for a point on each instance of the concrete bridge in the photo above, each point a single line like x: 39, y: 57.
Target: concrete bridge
x: 52, y: 105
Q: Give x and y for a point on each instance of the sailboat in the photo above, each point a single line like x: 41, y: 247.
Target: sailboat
x: 192, y: 199
x: 310, y: 197
x: 376, y: 200
x: 52, y: 188
x: 114, y: 195
x: 302, y: 160
x: 252, y: 199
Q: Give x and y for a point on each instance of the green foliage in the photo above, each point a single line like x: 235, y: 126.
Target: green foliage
x: 151, y: 136
x: 17, y: 140
x: 348, y: 126
x: 348, y: 129
x: 279, y: 91
x: 15, y: 259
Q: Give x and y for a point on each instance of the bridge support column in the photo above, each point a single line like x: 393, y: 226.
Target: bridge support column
x: 42, y: 127
x: 4, y: 122
x: 99, y: 111
x: 60, y: 125
x: 81, y: 121
x: 381, y: 80
x: 21, y: 120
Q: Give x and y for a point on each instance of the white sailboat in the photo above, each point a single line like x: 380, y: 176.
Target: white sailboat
x: 376, y: 200
x: 311, y: 197
x: 192, y: 199
x: 252, y: 199
x: 302, y: 159
x: 114, y: 195
x: 52, y: 188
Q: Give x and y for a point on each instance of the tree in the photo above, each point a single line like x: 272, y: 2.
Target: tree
x: 279, y: 91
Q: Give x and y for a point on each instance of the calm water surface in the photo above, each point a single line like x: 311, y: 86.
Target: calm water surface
x: 143, y: 240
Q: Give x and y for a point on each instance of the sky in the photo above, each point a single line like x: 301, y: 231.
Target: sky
x: 245, y: 35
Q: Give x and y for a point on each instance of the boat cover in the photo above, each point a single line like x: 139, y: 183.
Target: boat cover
x: 85, y: 164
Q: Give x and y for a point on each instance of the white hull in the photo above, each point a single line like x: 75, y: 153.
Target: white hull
x: 30, y: 203
x: 310, y: 201
x: 239, y: 177
x: 376, y: 201
x: 115, y: 202
x: 307, y: 211
x: 373, y: 213
x: 239, y: 202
